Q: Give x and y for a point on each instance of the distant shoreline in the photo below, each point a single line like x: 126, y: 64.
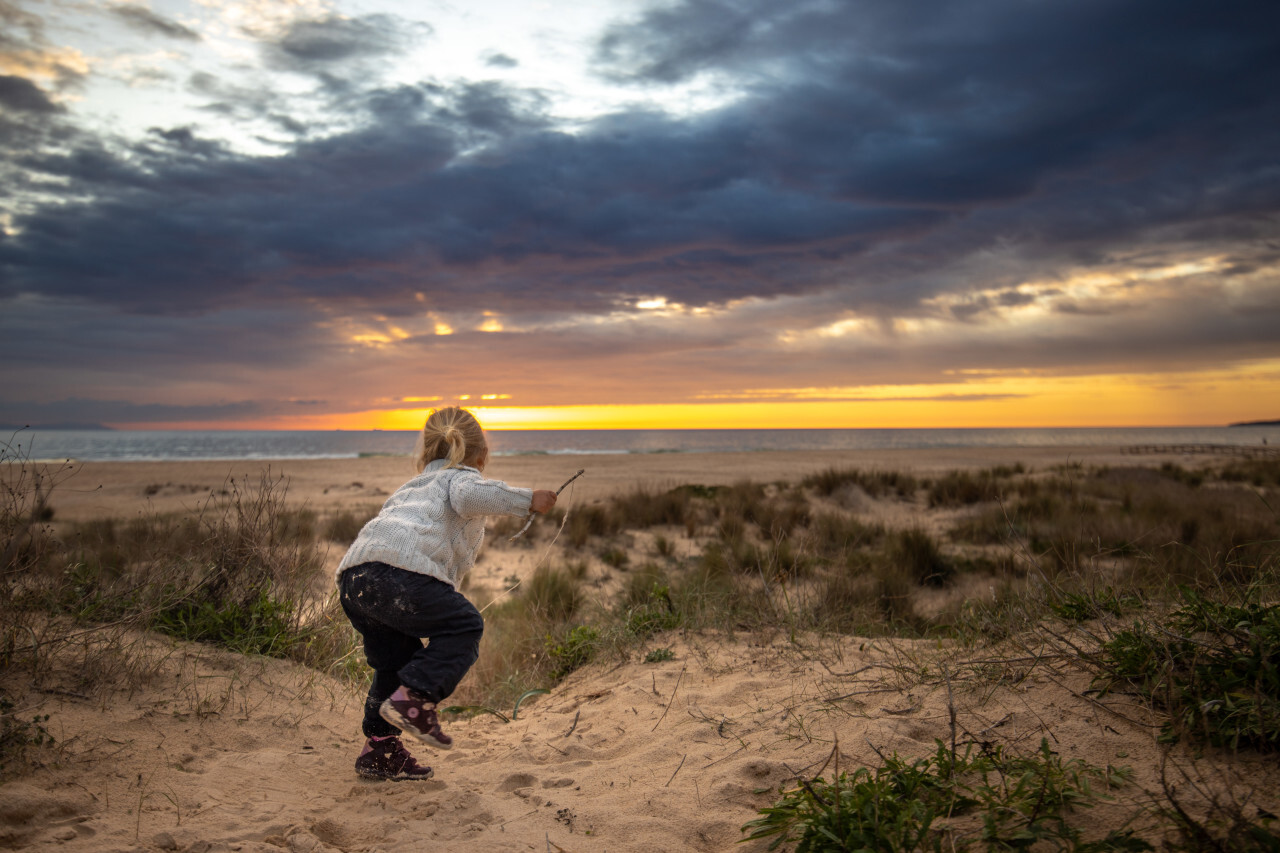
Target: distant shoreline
x: 1256, y: 424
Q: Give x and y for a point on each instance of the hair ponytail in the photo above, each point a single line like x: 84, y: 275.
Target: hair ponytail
x: 453, y: 434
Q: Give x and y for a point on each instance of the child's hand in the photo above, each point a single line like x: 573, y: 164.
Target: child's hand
x: 543, y: 500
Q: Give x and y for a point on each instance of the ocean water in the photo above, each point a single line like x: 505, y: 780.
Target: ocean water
x: 142, y: 445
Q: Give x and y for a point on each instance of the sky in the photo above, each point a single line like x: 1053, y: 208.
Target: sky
x: 317, y: 214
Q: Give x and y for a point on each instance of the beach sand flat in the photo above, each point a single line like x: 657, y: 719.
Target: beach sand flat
x: 123, y: 489
x: 210, y: 751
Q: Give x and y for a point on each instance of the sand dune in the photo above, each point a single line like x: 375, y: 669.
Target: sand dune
x: 211, y: 751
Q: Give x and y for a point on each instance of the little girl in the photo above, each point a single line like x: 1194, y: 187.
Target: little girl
x: 398, y: 583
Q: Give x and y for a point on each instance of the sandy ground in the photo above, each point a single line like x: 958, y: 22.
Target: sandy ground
x: 210, y: 751
x: 256, y: 755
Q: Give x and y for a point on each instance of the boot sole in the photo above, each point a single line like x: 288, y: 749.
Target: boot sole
x: 389, y: 713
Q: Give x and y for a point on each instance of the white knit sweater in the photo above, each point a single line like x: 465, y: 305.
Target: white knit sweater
x: 434, y: 524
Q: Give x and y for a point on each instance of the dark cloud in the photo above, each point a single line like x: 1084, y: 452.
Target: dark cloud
x: 21, y: 95
x: 148, y: 22
x: 672, y: 43
x: 85, y: 411
x: 313, y: 44
x: 500, y: 60
x: 878, y: 159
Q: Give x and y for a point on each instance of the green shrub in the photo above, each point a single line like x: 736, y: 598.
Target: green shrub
x: 1215, y: 670
x: 659, y: 655
x: 260, y: 626
x: 648, y: 612
x: 933, y: 804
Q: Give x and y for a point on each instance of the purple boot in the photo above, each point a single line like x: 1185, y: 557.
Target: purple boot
x: 386, y: 758
x: 416, y: 717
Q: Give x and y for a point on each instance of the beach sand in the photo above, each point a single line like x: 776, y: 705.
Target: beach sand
x: 212, y: 751
x: 123, y: 489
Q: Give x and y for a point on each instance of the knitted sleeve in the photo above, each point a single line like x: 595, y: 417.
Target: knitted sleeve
x: 472, y: 495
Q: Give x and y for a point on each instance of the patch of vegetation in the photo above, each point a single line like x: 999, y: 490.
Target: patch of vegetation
x: 659, y: 655
x: 961, y: 488
x: 572, y: 650
x: 241, y: 572
x: 615, y: 557
x: 18, y: 736
x: 985, y: 801
x: 260, y: 626
x: 874, y: 483
x: 1213, y: 667
x: 918, y: 554
x: 1082, y: 606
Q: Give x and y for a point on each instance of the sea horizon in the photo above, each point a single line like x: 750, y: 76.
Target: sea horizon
x: 209, y: 445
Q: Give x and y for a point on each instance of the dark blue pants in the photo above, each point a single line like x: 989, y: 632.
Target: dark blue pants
x: 393, y: 609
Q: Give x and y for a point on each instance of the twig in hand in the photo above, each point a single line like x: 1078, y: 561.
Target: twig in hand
x: 529, y: 518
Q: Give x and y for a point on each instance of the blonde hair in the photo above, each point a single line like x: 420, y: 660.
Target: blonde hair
x: 453, y: 434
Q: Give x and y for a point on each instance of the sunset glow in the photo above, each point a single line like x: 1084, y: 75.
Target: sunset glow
x: 636, y: 214
x: 1137, y: 400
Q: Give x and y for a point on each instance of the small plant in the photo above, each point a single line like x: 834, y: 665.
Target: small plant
x: 659, y: 655
x: 573, y: 650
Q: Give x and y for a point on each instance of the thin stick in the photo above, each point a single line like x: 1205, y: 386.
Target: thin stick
x: 673, y: 775
x: 575, y: 723
x: 951, y: 712
x: 551, y: 545
x: 529, y: 518
x: 669, y: 701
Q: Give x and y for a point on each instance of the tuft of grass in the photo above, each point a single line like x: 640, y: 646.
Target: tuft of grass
x: 571, y: 650
x: 961, y: 488
x: 917, y: 553
x: 874, y: 483
x: 552, y: 595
